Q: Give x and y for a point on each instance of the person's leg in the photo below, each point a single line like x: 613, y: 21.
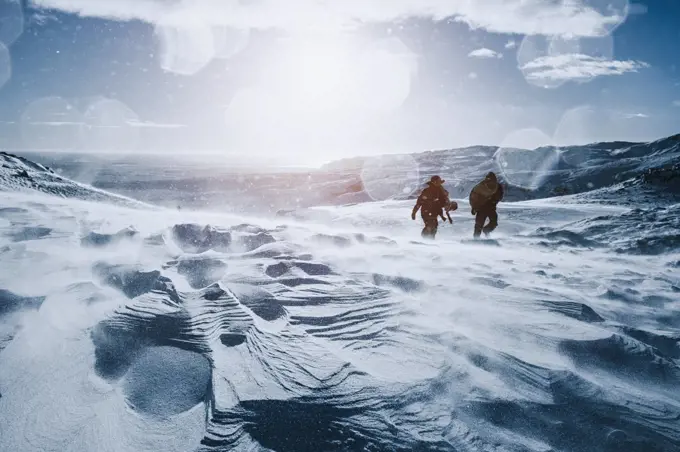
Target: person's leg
x: 427, y: 221
x: 479, y: 222
x: 430, y: 229
x: 426, y: 229
x: 493, y: 222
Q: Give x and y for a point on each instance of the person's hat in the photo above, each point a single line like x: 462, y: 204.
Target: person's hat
x: 491, y: 175
x: 435, y: 179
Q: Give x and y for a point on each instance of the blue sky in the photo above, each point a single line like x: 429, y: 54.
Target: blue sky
x: 308, y: 81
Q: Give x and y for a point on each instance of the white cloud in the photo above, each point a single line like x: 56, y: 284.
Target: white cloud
x: 485, y: 53
x: 154, y: 125
x: 472, y: 75
x: 511, y: 44
x: 131, y: 123
x: 40, y: 18
x: 576, y: 17
x: 635, y: 115
x: 577, y: 67
x: 55, y: 123
x: 676, y: 103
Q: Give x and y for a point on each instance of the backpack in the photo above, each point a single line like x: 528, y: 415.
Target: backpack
x: 482, y: 193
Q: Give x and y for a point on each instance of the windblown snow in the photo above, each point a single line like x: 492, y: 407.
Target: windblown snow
x: 130, y: 328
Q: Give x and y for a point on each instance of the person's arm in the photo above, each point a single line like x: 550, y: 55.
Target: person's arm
x: 501, y: 193
x: 445, y: 200
x: 415, y: 209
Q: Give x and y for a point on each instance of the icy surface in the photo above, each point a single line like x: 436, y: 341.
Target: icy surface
x: 335, y: 328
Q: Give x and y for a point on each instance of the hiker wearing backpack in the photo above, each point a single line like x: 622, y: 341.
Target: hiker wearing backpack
x: 432, y: 203
x: 484, y: 198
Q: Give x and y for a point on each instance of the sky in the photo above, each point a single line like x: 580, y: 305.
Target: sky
x: 308, y: 81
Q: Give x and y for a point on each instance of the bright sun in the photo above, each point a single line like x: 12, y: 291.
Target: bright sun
x: 320, y: 89
x: 311, y: 74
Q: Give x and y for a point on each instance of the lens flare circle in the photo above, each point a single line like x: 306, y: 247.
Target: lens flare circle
x: 5, y: 65
x: 385, y: 72
x: 51, y: 123
x: 110, y: 125
x: 185, y: 48
x: 612, y: 13
x: 577, y: 127
x: 533, y: 54
x: 390, y: 177
x: 229, y: 41
x: 11, y: 21
x: 526, y: 158
x: 551, y: 61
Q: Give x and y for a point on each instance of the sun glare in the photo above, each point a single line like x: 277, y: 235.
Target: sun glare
x: 331, y: 73
x: 322, y: 78
x: 320, y: 90
x: 319, y: 74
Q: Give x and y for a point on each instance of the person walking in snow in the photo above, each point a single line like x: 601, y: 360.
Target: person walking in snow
x: 432, y: 202
x: 484, y: 198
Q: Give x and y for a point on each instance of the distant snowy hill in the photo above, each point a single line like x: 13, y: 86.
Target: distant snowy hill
x: 20, y: 174
x: 528, y: 174
x: 539, y: 173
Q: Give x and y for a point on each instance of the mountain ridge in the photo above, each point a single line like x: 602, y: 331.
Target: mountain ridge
x: 584, y: 171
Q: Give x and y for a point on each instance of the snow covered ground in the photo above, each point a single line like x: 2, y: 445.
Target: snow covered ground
x: 130, y: 328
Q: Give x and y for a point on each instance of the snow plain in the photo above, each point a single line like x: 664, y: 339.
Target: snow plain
x: 127, y: 327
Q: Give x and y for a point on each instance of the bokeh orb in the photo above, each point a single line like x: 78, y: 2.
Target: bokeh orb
x: 537, y: 55
x: 229, y: 41
x: 390, y: 177
x: 612, y: 13
x: 110, y: 125
x: 11, y: 21
x: 186, y: 48
x: 5, y: 65
x: 385, y: 73
x: 526, y: 158
x: 578, y: 126
x: 51, y: 123
x: 551, y: 61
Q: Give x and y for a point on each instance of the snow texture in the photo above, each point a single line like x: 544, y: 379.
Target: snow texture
x: 131, y: 328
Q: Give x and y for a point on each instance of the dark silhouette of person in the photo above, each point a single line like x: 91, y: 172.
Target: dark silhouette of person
x: 432, y: 202
x: 484, y: 198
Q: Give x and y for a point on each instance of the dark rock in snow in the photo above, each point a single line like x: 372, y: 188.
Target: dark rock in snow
x: 196, y: 239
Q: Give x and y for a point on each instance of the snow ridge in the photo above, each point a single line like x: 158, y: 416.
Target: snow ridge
x: 20, y: 174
